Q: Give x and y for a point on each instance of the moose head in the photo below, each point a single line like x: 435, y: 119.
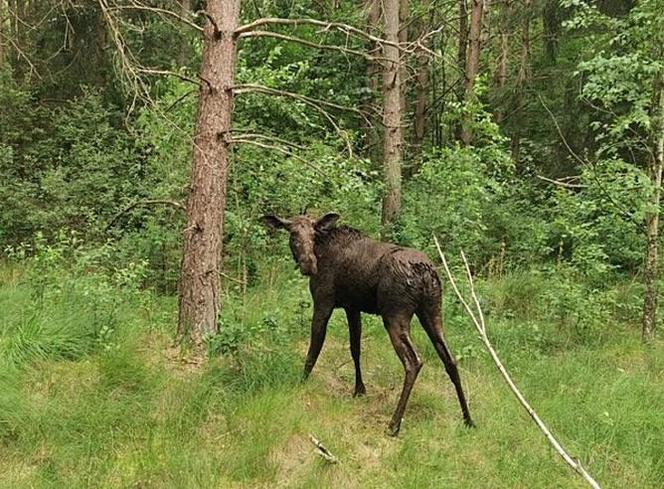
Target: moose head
x: 303, y: 231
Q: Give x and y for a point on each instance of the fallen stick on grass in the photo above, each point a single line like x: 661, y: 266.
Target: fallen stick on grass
x: 478, y: 321
x: 322, y: 451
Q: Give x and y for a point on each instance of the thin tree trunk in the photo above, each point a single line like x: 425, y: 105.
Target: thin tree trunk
x: 652, y: 217
x: 3, y: 33
x: 462, y: 52
x: 392, y: 117
x: 184, y: 53
x: 403, y: 73
x: 421, y: 87
x: 521, y: 82
x: 472, y: 65
x: 373, y: 69
x: 503, y: 57
x: 199, y: 298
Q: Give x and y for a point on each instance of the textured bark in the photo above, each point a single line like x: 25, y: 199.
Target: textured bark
x: 652, y: 217
x: 472, y: 64
x: 503, y: 56
x: 392, y: 116
x: 521, y: 81
x: 199, y: 298
x: 373, y: 69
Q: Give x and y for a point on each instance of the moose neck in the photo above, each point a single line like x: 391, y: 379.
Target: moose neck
x: 330, y: 243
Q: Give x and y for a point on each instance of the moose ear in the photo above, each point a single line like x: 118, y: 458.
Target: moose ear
x: 275, y: 222
x: 327, y: 221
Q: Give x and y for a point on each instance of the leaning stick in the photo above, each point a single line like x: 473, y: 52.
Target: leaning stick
x: 478, y: 321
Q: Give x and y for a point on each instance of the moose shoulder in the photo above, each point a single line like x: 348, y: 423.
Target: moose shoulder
x: 349, y: 270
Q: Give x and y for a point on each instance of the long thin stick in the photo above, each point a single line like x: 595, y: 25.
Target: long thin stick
x: 481, y: 329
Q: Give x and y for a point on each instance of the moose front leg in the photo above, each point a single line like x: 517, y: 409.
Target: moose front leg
x: 318, y: 329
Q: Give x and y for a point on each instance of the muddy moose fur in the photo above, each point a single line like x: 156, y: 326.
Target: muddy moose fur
x: 349, y: 270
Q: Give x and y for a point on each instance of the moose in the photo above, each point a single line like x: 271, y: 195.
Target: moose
x: 349, y: 270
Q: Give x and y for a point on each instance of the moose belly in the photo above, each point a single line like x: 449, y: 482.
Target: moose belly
x: 362, y: 300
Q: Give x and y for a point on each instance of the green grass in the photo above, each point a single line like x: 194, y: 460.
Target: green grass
x: 126, y: 412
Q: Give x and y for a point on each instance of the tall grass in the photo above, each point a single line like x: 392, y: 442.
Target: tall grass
x: 82, y: 408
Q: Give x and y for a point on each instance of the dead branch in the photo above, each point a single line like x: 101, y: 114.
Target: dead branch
x: 317, y: 104
x: 268, y: 137
x: 285, y: 151
x: 141, y: 203
x: 480, y: 326
x: 349, y: 30
x: 561, y: 183
x: 157, y: 10
x: 322, y: 451
x: 304, y: 42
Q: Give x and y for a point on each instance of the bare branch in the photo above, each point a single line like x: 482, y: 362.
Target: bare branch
x: 279, y: 149
x: 480, y: 326
x: 561, y: 183
x: 326, y: 26
x: 157, y: 10
x: 304, y: 42
x: 317, y: 104
x: 142, y: 203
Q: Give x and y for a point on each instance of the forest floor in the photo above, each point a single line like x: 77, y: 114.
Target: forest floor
x: 130, y: 413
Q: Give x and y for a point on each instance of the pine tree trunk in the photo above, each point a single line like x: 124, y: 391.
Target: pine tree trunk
x: 472, y: 65
x: 652, y: 217
x: 199, y: 298
x: 392, y: 154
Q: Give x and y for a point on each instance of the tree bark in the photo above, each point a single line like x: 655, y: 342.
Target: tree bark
x: 403, y: 74
x: 373, y: 69
x: 652, y: 217
x: 392, y: 145
x: 472, y: 66
x: 503, y: 57
x: 421, y: 88
x: 462, y: 51
x: 199, y: 298
x: 521, y: 82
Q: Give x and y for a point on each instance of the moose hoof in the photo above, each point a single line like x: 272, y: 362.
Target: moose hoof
x: 393, y: 431
x: 359, y: 391
x: 469, y: 423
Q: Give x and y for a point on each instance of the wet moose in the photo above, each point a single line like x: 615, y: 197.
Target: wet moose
x: 349, y: 270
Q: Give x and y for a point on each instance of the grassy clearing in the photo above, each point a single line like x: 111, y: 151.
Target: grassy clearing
x: 122, y: 411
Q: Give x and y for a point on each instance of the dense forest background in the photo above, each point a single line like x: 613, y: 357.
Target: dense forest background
x: 528, y: 133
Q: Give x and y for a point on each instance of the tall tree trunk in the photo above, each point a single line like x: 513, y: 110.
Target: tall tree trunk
x: 373, y: 69
x: 421, y: 86
x: 521, y: 82
x: 184, y: 53
x: 652, y: 217
x: 403, y: 73
x: 392, y: 145
x: 199, y: 298
x: 3, y: 32
x: 503, y: 57
x: 462, y: 51
x: 472, y: 65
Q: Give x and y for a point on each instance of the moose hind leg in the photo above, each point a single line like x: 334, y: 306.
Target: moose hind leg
x: 398, y: 329
x: 432, y: 325
x: 355, y: 330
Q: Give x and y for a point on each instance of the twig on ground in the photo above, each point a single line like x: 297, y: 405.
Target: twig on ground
x: 322, y: 451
